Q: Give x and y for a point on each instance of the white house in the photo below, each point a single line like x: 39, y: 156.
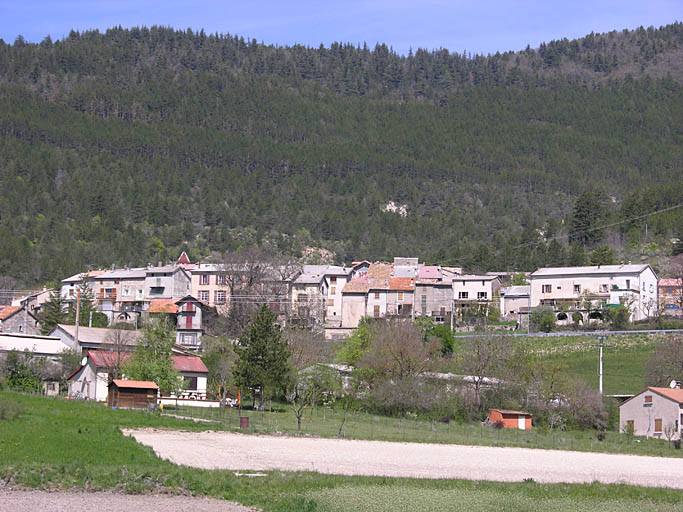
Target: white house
x: 90, y: 379
x: 569, y: 288
x: 652, y: 411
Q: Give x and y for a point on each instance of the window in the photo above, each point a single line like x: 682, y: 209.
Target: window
x: 125, y: 292
x: 648, y: 401
x: 333, y: 280
x: 628, y: 284
x: 400, y: 295
x: 204, y: 279
x: 630, y: 425
x: 463, y: 295
x: 604, y: 288
x: 483, y: 283
x: 190, y: 383
x: 482, y: 295
x: 377, y: 296
x: 658, y: 425
x: 219, y: 297
x: 333, y: 291
x: 547, y: 288
x: 204, y: 295
x: 220, y: 279
x: 577, y: 288
x: 376, y: 311
x: 643, y: 286
x: 330, y: 302
x: 424, y: 304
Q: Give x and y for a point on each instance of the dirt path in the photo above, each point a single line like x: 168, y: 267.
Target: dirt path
x: 226, y: 450
x: 68, y: 501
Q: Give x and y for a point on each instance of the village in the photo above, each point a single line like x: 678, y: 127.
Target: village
x: 329, y: 301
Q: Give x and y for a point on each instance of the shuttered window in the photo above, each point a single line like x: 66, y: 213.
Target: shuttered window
x: 658, y: 425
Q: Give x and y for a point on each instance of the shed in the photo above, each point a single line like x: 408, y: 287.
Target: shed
x: 511, y: 419
x: 134, y: 394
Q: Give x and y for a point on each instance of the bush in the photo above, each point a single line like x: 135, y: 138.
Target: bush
x: 543, y: 318
x: 9, y: 410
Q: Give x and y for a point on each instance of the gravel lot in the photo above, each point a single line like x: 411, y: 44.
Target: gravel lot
x: 67, y: 501
x: 226, y: 450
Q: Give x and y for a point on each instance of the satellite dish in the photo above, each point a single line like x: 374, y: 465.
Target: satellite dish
x: 84, y: 361
x: 673, y: 384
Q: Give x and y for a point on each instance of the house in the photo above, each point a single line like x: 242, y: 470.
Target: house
x: 132, y: 394
x: 18, y: 319
x: 49, y: 347
x: 652, y: 411
x: 474, y: 291
x: 514, y: 303
x: 400, y: 297
x: 587, y: 289
x: 511, y: 419
x: 119, y: 294
x: 309, y: 296
x: 434, y: 293
x: 193, y: 319
x: 671, y: 296
x: 210, y: 286
x: 166, y: 282
x: 354, y: 298
x: 91, y: 378
x: 95, y: 338
x: 69, y: 287
x: 336, y: 278
x: 34, y: 301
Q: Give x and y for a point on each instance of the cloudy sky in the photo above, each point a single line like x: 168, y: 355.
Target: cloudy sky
x: 476, y: 26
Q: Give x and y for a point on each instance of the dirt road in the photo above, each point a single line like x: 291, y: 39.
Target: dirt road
x: 67, y: 501
x: 226, y: 450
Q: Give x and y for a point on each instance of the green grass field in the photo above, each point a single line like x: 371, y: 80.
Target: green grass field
x: 63, y: 444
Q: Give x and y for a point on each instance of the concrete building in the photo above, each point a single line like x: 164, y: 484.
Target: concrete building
x: 193, y: 319
x: 18, y: 319
x: 209, y: 285
x: 652, y: 411
x: 572, y: 288
x: 514, y: 303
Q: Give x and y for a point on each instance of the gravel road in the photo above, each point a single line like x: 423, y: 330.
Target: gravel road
x: 226, y: 450
x: 67, y: 501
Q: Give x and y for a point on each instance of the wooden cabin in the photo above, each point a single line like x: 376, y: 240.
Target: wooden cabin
x: 132, y: 394
x: 511, y: 419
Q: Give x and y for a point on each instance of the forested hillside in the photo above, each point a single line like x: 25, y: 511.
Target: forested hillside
x: 123, y: 147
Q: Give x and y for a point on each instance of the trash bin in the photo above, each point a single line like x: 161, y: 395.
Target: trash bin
x: 244, y: 421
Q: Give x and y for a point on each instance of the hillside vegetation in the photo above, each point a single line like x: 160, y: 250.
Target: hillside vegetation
x: 125, y: 146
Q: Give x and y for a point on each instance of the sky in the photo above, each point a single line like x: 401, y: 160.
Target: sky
x: 475, y: 26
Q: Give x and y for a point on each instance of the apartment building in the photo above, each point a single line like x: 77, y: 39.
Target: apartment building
x: 573, y: 288
x: 210, y: 286
x: 470, y: 290
x: 193, y: 319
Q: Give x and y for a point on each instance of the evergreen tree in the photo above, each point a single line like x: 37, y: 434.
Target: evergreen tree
x: 587, y: 215
x: 53, y: 313
x: 262, y: 354
x: 603, y: 255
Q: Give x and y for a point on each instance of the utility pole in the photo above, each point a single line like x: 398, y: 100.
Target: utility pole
x: 601, y: 345
x: 452, y: 314
x: 90, y: 320
x: 26, y: 316
x: 78, y: 313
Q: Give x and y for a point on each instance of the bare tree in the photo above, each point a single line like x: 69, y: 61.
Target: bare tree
x: 666, y: 362
x: 255, y: 276
x: 219, y: 358
x: 670, y: 430
x: 485, y: 360
x: 118, y: 342
x: 306, y: 381
x: 397, y: 351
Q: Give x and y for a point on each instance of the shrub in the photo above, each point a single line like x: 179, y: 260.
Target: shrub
x: 9, y: 410
x: 543, y: 318
x: 498, y: 425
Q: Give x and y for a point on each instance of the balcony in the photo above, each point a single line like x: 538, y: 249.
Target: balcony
x: 106, y: 296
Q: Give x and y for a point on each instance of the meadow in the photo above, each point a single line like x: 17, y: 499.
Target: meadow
x: 57, y: 444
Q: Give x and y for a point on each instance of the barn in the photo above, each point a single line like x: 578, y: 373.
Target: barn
x: 132, y: 394
x: 511, y: 419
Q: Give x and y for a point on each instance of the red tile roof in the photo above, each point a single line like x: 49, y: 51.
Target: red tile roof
x: 139, y: 384
x: 104, y: 358
x: 163, y: 306
x: 669, y: 282
x: 189, y: 364
x: 184, y: 259
x: 673, y: 394
x: 402, y: 284
x: 8, y: 311
x: 358, y: 285
x: 380, y: 270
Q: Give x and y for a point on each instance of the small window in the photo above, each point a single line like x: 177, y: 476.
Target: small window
x: 333, y: 291
x: 577, y: 288
x: 629, y: 424
x: 400, y: 295
x: 330, y: 302
x: 547, y: 288
x: 463, y: 295
x: 628, y: 284
x: 377, y: 296
x: 219, y: 297
x: 604, y: 288
x: 190, y: 383
x: 204, y: 295
x: 648, y: 399
x: 376, y: 311
x: 482, y: 295
x: 658, y: 425
x: 483, y: 283
x: 204, y: 279
x: 333, y: 280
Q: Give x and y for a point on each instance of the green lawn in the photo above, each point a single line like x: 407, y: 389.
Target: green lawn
x: 61, y: 444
